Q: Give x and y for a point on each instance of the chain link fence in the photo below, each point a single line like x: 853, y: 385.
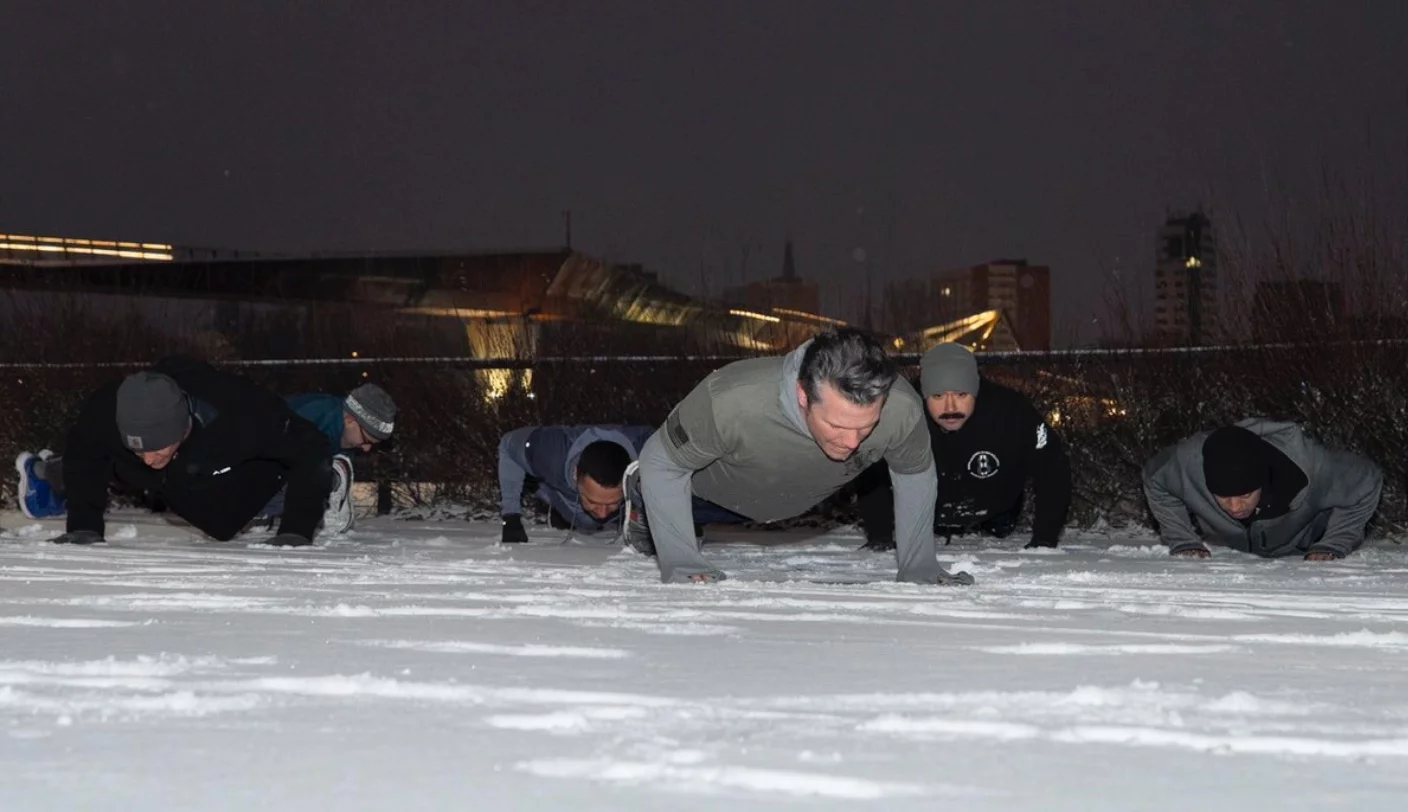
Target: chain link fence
x: 1114, y: 408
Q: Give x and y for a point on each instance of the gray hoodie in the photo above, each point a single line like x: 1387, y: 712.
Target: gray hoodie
x: 549, y: 454
x: 739, y: 441
x: 1328, y: 514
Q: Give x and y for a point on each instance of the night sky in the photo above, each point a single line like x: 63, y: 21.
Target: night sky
x: 888, y: 138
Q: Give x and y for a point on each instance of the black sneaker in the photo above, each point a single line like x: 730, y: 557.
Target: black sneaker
x: 879, y: 544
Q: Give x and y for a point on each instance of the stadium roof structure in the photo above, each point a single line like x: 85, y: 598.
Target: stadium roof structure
x: 989, y: 330
x: 34, y: 251
x: 542, y: 285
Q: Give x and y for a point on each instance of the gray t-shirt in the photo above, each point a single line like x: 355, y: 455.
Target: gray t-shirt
x: 754, y: 458
x: 739, y: 440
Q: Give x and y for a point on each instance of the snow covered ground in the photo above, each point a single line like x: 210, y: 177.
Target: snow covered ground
x: 419, y: 666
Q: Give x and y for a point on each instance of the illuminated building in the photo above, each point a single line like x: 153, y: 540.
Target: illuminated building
x: 500, y: 306
x: 1185, y: 281
x: 1014, y: 288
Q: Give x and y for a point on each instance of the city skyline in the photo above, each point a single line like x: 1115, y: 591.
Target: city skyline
x: 886, y: 140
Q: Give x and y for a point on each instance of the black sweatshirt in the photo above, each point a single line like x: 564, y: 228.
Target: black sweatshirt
x: 984, y: 466
x: 244, y: 443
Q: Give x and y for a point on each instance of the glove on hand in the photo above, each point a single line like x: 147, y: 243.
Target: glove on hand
x: 954, y: 578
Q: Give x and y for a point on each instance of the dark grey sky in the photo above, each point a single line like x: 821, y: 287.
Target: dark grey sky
x: 920, y: 136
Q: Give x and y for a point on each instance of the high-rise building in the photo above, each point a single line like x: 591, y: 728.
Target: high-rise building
x: 1023, y: 293
x: 1017, y: 289
x: 1185, y: 281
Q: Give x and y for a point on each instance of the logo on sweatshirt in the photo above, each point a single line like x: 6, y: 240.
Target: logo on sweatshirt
x: 1041, y: 435
x: 983, y: 465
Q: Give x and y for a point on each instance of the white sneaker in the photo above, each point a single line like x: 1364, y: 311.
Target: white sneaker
x: 25, y: 489
x: 338, y: 518
x: 635, y: 532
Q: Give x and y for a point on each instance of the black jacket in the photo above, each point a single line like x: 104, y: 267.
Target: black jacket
x: 237, y: 428
x: 983, y: 467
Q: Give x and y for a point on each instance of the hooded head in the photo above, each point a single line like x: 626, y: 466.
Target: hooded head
x: 1236, y: 467
x: 601, y: 473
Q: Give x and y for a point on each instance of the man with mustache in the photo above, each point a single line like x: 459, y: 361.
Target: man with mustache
x: 769, y: 438
x: 1262, y: 487
x: 988, y: 440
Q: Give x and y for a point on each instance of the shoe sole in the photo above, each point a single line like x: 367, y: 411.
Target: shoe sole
x: 23, y: 489
x: 343, y: 470
x: 627, y: 506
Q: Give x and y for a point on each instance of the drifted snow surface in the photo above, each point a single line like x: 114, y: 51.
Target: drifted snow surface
x: 421, y: 666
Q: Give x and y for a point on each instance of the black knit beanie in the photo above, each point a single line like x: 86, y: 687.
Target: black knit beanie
x: 1234, y: 462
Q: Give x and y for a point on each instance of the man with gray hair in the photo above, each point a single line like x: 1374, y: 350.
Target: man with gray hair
x: 769, y: 438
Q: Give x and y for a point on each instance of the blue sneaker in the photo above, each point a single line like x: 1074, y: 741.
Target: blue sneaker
x: 36, y: 498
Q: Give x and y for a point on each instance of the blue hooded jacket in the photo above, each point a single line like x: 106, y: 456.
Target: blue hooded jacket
x: 549, y: 455
x: 325, y: 412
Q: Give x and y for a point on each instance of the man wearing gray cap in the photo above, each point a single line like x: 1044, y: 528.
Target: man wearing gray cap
x: 988, y: 440
x: 353, y: 423
x: 213, y: 446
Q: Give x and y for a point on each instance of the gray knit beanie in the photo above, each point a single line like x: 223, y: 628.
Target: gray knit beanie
x: 152, y: 412
x: 948, y: 367
x: 373, y: 409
